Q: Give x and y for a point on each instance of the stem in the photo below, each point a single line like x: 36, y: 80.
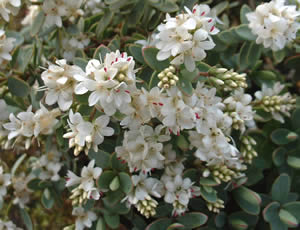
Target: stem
x: 92, y: 114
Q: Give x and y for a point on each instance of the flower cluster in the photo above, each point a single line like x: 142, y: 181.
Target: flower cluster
x: 48, y: 165
x: 71, y: 45
x: 56, y: 9
x: 271, y: 100
x: 187, y: 36
x: 28, y: 125
x: 274, y: 23
x: 8, y: 7
x: 84, y: 135
x: 85, y: 184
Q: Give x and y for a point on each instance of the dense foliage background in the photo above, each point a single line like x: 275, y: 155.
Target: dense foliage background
x: 266, y: 197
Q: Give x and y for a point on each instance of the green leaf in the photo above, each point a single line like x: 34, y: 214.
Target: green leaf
x: 113, y: 221
x: 19, y: 38
x: 136, y: 52
x: 243, y: 56
x: 192, y: 219
x: 281, y: 188
x: 125, y: 182
x: 221, y: 7
x: 295, y: 119
x: 160, y: 224
x: 294, y: 162
x: 166, y: 6
x: 114, y: 184
x: 136, y: 14
x: 37, y: 23
x: 248, y: 200
x: 176, y: 226
x: 210, y: 195
x: 229, y: 36
x: 238, y: 224
x: 47, y: 199
x: 283, y: 136
x: 271, y: 215
x: 105, y: 179
x: 81, y: 62
x: 279, y: 55
x: 26, y: 219
x: 100, y: 224
x: 114, y: 197
x: 18, y: 87
x: 104, y: 22
x: 293, y: 208
x: 102, y: 158
x: 250, y: 220
x: 24, y: 57
x: 254, y: 54
x: 288, y: 218
x: 293, y: 62
x: 244, y: 10
x: 117, y: 164
x: 101, y: 52
x: 279, y: 156
x: 208, y: 181
x: 17, y: 164
x: 245, y: 33
x: 149, y: 54
x: 182, y: 143
x: 185, y: 86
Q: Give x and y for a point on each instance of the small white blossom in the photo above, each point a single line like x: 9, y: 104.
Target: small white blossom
x: 71, y: 45
x: 87, y: 180
x: 60, y: 80
x: 187, y: 36
x: 178, y: 192
x: 274, y: 23
x: 8, y: 7
x: 21, y: 191
x: 33, y: 11
x: 56, y: 9
x: 83, y: 218
x: 6, y: 46
x: 5, y: 181
x: 93, y: 7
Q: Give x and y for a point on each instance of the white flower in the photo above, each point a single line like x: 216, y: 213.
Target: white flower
x: 21, y: 191
x: 45, y: 120
x: 100, y: 131
x: 89, y: 174
x: 86, y: 181
x: 87, y: 134
x: 23, y: 124
x: 33, y: 11
x: 6, y: 46
x: 81, y: 130
x: 178, y: 192
x: 48, y: 165
x: 141, y: 150
x: 110, y: 82
x: 8, y: 225
x: 93, y: 7
x: 71, y: 45
x: 5, y: 181
x: 143, y: 187
x: 4, y: 115
x: 83, y: 218
x: 56, y: 9
x: 152, y: 101
x: 176, y: 114
x: 274, y: 23
x: 28, y: 124
x: 239, y: 109
x: 187, y: 36
x: 9, y: 7
x: 60, y: 80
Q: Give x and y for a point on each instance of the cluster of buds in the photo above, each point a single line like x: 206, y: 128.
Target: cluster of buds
x: 167, y: 78
x: 147, y: 207
x: 216, y: 206
x: 228, y: 79
x: 247, y: 149
x: 79, y: 196
x: 222, y: 173
x: 277, y: 103
x: 78, y: 149
x: 237, y: 123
